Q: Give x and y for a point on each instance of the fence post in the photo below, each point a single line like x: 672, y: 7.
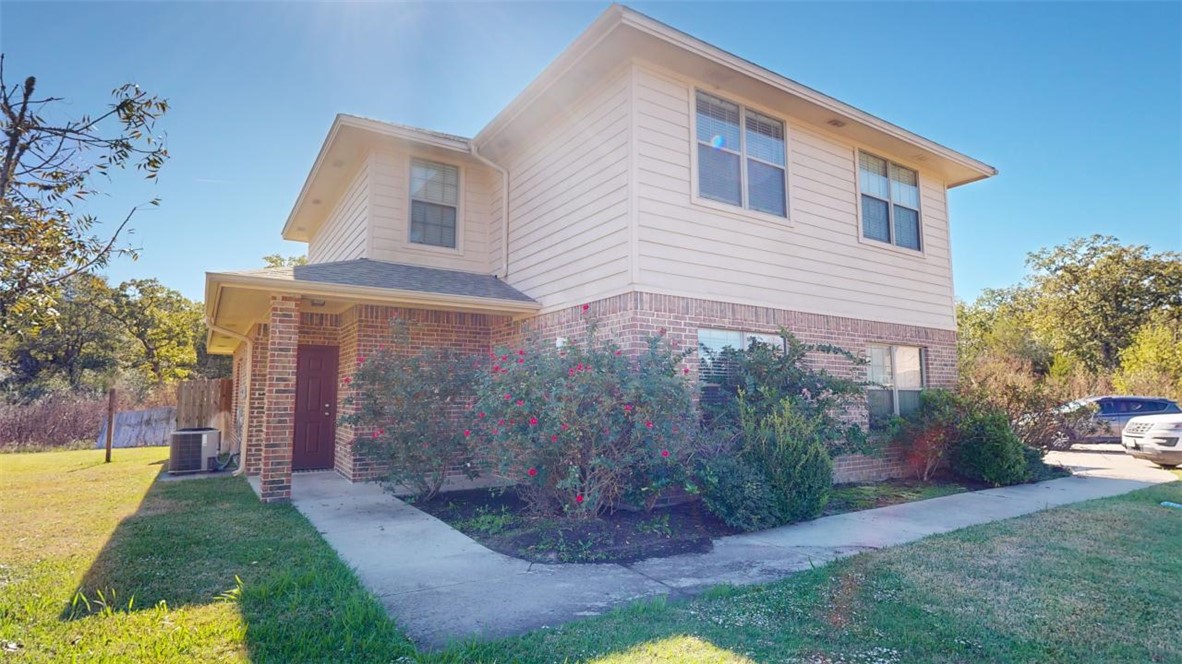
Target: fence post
x: 110, y: 421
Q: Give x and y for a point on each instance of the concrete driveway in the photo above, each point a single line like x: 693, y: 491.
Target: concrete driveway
x: 440, y: 586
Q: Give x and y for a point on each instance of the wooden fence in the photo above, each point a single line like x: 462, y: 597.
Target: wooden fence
x: 205, y: 403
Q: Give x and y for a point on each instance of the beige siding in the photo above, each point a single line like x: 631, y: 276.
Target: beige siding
x: 343, y: 235
x: 569, y: 207
x: 815, y: 262
x: 390, y: 210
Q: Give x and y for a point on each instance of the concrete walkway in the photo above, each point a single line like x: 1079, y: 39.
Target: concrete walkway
x: 441, y: 586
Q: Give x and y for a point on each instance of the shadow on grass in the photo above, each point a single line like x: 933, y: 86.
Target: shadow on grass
x: 202, y: 541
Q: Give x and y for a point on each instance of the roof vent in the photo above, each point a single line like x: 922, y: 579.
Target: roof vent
x: 836, y: 123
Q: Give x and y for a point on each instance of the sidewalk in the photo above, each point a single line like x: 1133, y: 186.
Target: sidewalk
x: 440, y: 585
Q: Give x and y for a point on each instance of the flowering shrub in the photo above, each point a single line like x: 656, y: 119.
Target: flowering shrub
x: 409, y: 411
x: 585, y: 427
x: 926, y: 436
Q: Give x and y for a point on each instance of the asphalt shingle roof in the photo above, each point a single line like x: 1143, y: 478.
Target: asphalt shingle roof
x: 381, y: 274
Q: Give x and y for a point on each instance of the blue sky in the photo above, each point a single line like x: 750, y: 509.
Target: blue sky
x: 1078, y: 104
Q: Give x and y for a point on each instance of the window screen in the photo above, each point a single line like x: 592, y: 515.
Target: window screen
x: 743, y: 168
x: 890, y: 202
x: 435, y: 193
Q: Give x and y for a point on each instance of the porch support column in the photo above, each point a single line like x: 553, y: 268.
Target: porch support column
x: 279, y: 403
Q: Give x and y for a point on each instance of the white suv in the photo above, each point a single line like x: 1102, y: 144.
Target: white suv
x: 1155, y: 438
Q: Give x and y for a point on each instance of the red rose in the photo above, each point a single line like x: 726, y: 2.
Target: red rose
x: 480, y: 414
x: 579, y: 498
x: 627, y: 408
x: 504, y: 357
x: 467, y: 433
x: 360, y: 359
x: 648, y: 423
x: 520, y: 402
x: 619, y: 352
x: 586, y: 307
x: 533, y: 421
x: 501, y: 422
x: 375, y: 435
x: 496, y: 368
x: 532, y: 472
x: 665, y: 453
x: 554, y: 438
x: 508, y: 397
x: 521, y: 351
x: 382, y: 431
x: 685, y: 370
x: 565, y: 427
x: 346, y: 380
x: 521, y: 360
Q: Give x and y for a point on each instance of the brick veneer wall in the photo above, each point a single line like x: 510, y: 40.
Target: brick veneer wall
x: 252, y: 452
x: 279, y: 417
x: 631, y: 317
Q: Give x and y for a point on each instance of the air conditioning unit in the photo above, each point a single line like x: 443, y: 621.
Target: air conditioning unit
x: 193, y: 450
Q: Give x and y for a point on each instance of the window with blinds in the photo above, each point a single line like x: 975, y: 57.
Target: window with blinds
x: 741, y: 156
x: 434, y: 203
x: 890, y: 202
x: 895, y: 378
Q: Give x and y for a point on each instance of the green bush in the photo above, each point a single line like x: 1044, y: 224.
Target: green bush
x: 780, y: 472
x: 988, y: 450
x: 927, y: 434
x: 740, y: 494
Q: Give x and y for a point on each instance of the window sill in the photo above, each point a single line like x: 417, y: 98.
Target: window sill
x: 887, y: 246
x: 432, y: 249
x: 740, y: 213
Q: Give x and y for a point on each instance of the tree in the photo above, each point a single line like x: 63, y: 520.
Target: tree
x: 162, y: 322
x: 1094, y: 293
x: 278, y: 260
x: 46, y: 169
x: 1152, y: 363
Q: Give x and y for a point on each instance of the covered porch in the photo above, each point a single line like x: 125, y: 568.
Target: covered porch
x: 298, y: 333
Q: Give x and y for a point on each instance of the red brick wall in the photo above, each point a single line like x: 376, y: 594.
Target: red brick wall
x: 631, y: 317
x: 252, y: 452
x: 279, y: 417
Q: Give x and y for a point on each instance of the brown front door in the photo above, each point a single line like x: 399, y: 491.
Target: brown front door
x: 316, y: 407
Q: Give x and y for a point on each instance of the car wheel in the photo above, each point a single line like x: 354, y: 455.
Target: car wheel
x: 1168, y: 466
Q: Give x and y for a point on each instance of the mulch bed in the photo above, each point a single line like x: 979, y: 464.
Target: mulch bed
x: 498, y: 519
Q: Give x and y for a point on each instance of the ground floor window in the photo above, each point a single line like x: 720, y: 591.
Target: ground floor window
x: 895, y: 381
x: 714, y: 365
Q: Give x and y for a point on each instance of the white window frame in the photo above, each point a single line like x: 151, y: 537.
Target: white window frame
x: 741, y: 210
x: 858, y: 152
x: 745, y: 337
x: 419, y: 246
x: 892, y: 349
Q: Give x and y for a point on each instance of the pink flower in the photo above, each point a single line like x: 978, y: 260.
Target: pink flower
x: 619, y: 353
x: 480, y: 414
x: 627, y: 408
x: 360, y: 359
x: 374, y: 435
x: 508, y: 397
x: 501, y: 422
x: 520, y: 402
x: 665, y: 453
x: 504, y: 357
x: 554, y: 438
x: 521, y: 351
x: 496, y: 431
x: 572, y: 371
x: 346, y: 380
x: 533, y: 421
x: 521, y: 360
x: 648, y: 423
x: 467, y: 433
x: 496, y: 368
x: 685, y: 370
x: 579, y: 498
x: 565, y: 427
x: 586, y: 307
x: 381, y: 432
x: 532, y: 472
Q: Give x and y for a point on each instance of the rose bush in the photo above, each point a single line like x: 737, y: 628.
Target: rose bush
x: 584, y: 428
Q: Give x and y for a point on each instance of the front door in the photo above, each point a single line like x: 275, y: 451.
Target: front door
x: 316, y: 408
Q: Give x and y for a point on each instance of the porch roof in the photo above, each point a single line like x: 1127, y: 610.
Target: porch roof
x: 236, y: 300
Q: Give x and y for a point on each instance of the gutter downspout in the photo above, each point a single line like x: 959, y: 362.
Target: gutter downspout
x: 504, y: 206
x: 249, y: 366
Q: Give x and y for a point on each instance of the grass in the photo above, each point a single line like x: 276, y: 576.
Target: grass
x: 101, y: 563
x: 857, y: 497
x: 1094, y: 582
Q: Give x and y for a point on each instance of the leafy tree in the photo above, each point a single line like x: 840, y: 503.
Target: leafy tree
x: 47, y: 167
x: 1152, y: 363
x: 278, y: 260
x: 162, y: 323
x: 1094, y: 293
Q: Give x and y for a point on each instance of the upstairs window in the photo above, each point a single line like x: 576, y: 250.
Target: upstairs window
x: 741, y: 156
x: 434, y: 201
x: 896, y: 379
x: 890, y: 202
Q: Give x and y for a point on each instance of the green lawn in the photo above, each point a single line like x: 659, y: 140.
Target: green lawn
x: 1097, y: 582
x: 163, y: 557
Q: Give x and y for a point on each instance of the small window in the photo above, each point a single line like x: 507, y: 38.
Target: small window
x: 711, y: 343
x: 741, y: 156
x: 890, y: 202
x: 434, y: 194
x: 896, y: 380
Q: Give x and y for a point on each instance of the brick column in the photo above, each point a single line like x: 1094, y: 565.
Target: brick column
x: 252, y: 450
x: 279, y: 404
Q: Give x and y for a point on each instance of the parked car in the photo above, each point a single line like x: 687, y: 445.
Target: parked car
x: 1155, y: 438
x: 1109, y: 416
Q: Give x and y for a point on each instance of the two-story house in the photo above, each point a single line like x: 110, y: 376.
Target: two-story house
x: 649, y: 177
